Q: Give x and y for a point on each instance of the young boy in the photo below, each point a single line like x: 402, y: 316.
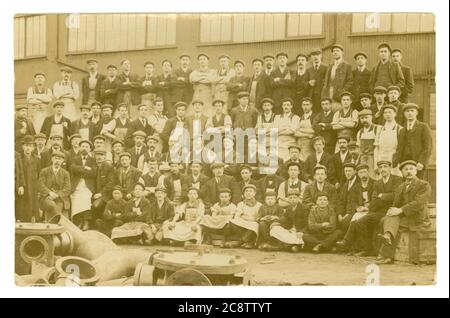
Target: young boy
x: 113, y: 214
x: 135, y: 228
x: 160, y: 212
x: 221, y: 214
x: 269, y: 214
x: 322, y: 233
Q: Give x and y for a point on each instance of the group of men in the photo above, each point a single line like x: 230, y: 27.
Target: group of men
x: 352, y: 150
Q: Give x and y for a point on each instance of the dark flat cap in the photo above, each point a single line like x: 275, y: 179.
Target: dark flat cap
x: 394, y: 88
x: 125, y: 154
x: 249, y: 186
x: 99, y: 137
x: 282, y: 54
x: 242, y: 94
x: 224, y: 56
x: 362, y: 166
x: 139, y: 133
x: 39, y: 73
x: 40, y: 136
x: 287, y: 99
x: 267, y: 100
x: 384, y: 44
x: 90, y: 61
x: 268, y: 56
x: 104, y: 106
x: 74, y: 136
x: 380, y: 89
x: 301, y: 55
x: 184, y: 55
x: 407, y: 163
x: 58, y: 103
x: 258, y: 60
x: 85, y: 141
x: 66, y: 69
x: 410, y: 106
x: 346, y: 93
x: 360, y: 53
x: 388, y: 106
x: 337, y: 46
x: 88, y: 107
x: 202, y: 54
x: 396, y: 50
x: 28, y: 140
x: 224, y: 190
x: 384, y: 162
x: 316, y: 51
x: 59, y: 154
x: 218, y: 101
x: 349, y: 165
x: 180, y: 104
x: 365, y: 112
x: 365, y: 95
x: 239, y: 62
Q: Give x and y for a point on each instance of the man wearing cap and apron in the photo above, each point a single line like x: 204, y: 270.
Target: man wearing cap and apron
x: 39, y: 98
x: 117, y: 128
x: 203, y: 80
x: 346, y: 119
x: 305, y: 131
x: 287, y: 124
x: 58, y: 124
x: 293, y: 182
x: 129, y: 88
x: 224, y: 74
x: 394, y: 94
x: 83, y: 172
x: 379, y: 94
x: 388, y: 138
x: 91, y: 84
x: 365, y: 139
x: 84, y: 126
x: 236, y: 84
x: 68, y: 92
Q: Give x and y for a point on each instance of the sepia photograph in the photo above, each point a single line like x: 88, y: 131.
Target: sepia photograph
x: 225, y: 149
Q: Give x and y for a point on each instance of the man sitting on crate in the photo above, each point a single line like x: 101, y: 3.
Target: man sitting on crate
x: 409, y: 211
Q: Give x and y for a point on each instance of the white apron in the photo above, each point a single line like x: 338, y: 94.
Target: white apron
x: 81, y: 198
x: 304, y: 143
x: 131, y: 230
x: 183, y: 229
x: 70, y: 110
x: 291, y: 237
x: 387, y: 146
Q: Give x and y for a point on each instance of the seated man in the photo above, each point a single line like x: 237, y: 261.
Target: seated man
x: 160, y: 211
x: 269, y: 213
x: 408, y: 212
x: 293, y: 182
x: 293, y: 223
x: 54, y: 187
x: 382, y: 199
x: 348, y: 197
x: 246, y: 220
x: 221, y: 214
x: 113, y: 214
x: 319, y: 185
x: 322, y: 231
x: 135, y: 228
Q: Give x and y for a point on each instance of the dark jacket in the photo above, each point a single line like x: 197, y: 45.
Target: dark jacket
x: 409, y: 82
x: 263, y: 88
x: 343, y: 81
x: 311, y: 162
x: 109, y: 90
x: 326, y: 131
x: 47, y: 128
x: 361, y: 82
x: 349, y: 199
x: 133, y: 88
x: 383, y: 194
x: 85, y: 88
x: 211, y: 193
x: 336, y: 172
x: 104, y: 180
x: 137, y: 212
x: 19, y: 124
x: 134, y: 156
x: 86, y: 172
x: 282, y: 88
x: 160, y: 214
x: 234, y: 87
x: 127, y: 180
x: 318, y: 76
x: 416, y: 145
x: 134, y: 126
x: 59, y: 183
x: 295, y: 216
x: 311, y: 192
x: 395, y: 73
x: 272, y: 182
x: 76, y: 125
x: 182, y: 90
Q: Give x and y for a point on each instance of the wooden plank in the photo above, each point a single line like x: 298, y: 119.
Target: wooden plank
x: 123, y: 32
x: 108, y: 32
x: 226, y: 26
x: 115, y: 34
x: 358, y: 22
x: 385, y: 22
x: 100, y: 31
x: 399, y: 21
x: 215, y: 28
x: 279, y: 26
x: 140, y: 31
x: 259, y: 27
x: 29, y: 36
x: 426, y: 22
x: 16, y: 38
x: 43, y: 35
x: 238, y: 32
x: 73, y: 39
x: 205, y: 28
x: 316, y: 24
x: 171, y: 32
x: 268, y: 27
x: 413, y: 22
x: 304, y: 25
x: 81, y: 40
x: 131, y: 29
x: 90, y: 32
x: 36, y: 36
x: 162, y: 30
x: 151, y: 29
x: 249, y: 27
x: 293, y: 24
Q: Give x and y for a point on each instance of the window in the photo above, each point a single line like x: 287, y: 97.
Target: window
x: 30, y: 36
x: 243, y: 28
x: 121, y: 32
x: 392, y: 23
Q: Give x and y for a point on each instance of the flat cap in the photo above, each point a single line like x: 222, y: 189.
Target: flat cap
x: 56, y: 135
x: 59, y: 154
x: 306, y: 99
x: 388, y: 106
x: 365, y: 95
x: 379, y: 89
x: 294, y: 146
x: 384, y: 44
x: 293, y: 163
x: 352, y: 144
x: 104, y: 106
x: 160, y: 188
x: 90, y: 61
x: 394, y: 88
x: 117, y: 142
x: 40, y: 136
x: 337, y: 46
x: 224, y: 190
x: 218, y: 101
x: 117, y: 188
x: 270, y: 193
x: 153, y: 137
x: 258, y: 60
x: 202, y: 54
x: 360, y: 53
x: 407, y: 163
x: 396, y: 50
x: 239, y: 62
x: 197, y: 101
x: 97, y: 103
x: 111, y: 66
x: 99, y: 137
x: 180, y: 104
x: 88, y: 107
x: 362, y: 166
x: 301, y: 55
x: 318, y: 167
x: 410, y: 106
x: 139, y: 133
x: 58, y: 103
x: 100, y: 151
x: 245, y: 167
x: 74, y: 136
x: 316, y: 51
x: 249, y: 186
x: 21, y: 106
x: 28, y: 140
x: 66, y: 69
x: 85, y: 141
x: 267, y: 100
x: 270, y: 56
x: 287, y: 99
x: 224, y: 56
x: 216, y: 165
x: 349, y: 165
x: 39, y: 73
x: 124, y: 154
x: 384, y: 162
x: 343, y: 137
x: 282, y: 54
x: 365, y: 112
x: 326, y: 98
x: 242, y: 94
x: 346, y: 93
x: 164, y: 167
x: 293, y: 192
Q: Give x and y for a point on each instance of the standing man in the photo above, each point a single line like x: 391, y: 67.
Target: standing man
x: 164, y: 87
x: 336, y: 173
x: 83, y: 126
x: 281, y: 81
x: 346, y: 119
x: 139, y: 124
x: 339, y: 77
x: 365, y: 100
x: 394, y: 94
x: 91, y: 84
x: 322, y: 125
x: 319, y: 185
x: 127, y: 176
x: 203, y: 80
x: 408, y: 212
x: 269, y: 62
x: 415, y: 140
x: 259, y: 84
x: 318, y: 158
x: 110, y: 87
x: 243, y: 116
x: 315, y: 77
x: 178, y: 121
x: 301, y: 84
x: 129, y: 88
x: 361, y: 76
x: 217, y: 182
x: 237, y: 83
x: 349, y: 197
x: 138, y: 149
x: 397, y: 57
x: 148, y: 85
x: 67, y: 91
x: 54, y: 187
x: 380, y: 94
x: 181, y: 87
x: 386, y: 72
x: 58, y: 124
x: 224, y: 75
x: 39, y: 98
x: 365, y: 139
x: 22, y: 126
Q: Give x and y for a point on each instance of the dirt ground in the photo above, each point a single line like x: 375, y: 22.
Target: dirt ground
x: 284, y: 268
